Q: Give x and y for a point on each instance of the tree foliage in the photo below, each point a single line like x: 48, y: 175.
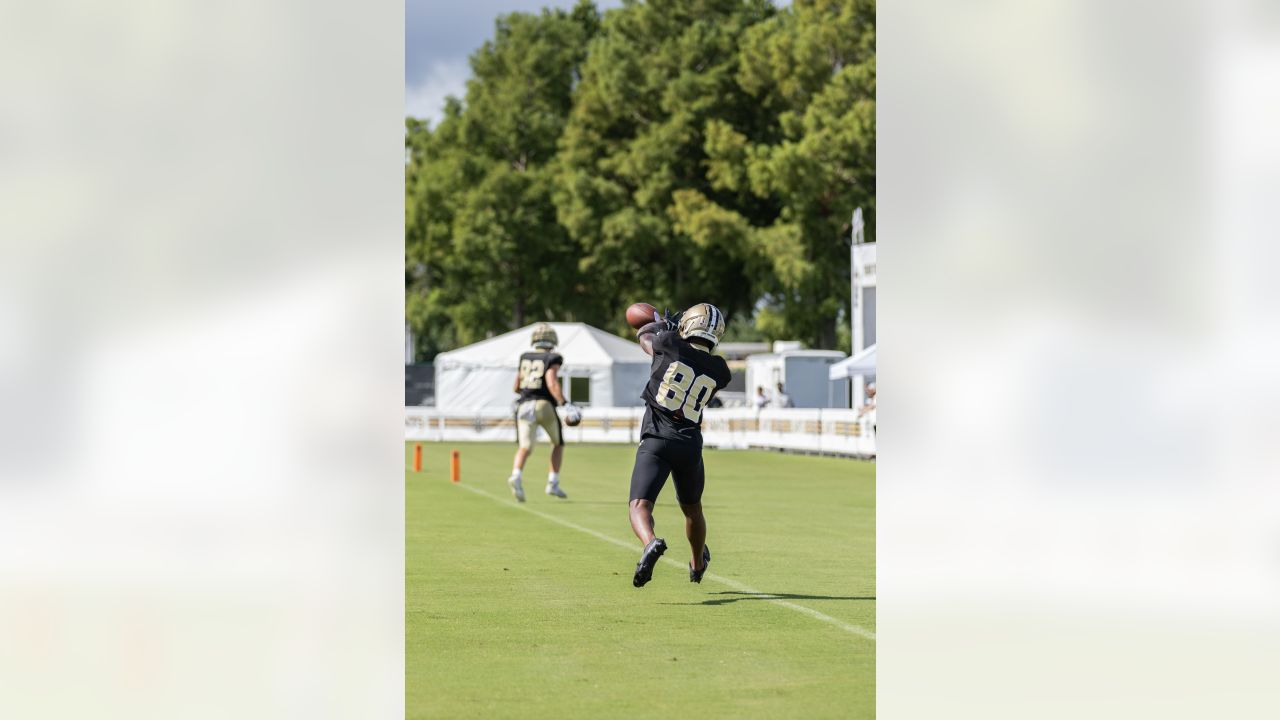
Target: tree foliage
x: 672, y: 151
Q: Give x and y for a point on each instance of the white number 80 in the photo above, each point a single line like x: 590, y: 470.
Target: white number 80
x: 681, y: 390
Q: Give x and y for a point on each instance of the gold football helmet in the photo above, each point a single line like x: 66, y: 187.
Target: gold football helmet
x: 544, y: 336
x: 703, y: 320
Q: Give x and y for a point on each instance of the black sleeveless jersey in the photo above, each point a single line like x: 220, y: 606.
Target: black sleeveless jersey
x: 682, y: 380
x: 533, y: 374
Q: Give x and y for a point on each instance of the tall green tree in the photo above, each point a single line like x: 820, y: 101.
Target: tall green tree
x: 811, y: 69
x: 483, y: 250
x: 672, y: 151
x: 656, y: 74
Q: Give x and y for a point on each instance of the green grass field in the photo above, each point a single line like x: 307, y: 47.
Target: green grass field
x: 510, y: 614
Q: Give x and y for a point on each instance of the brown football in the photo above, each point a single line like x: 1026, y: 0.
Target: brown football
x: 640, y: 314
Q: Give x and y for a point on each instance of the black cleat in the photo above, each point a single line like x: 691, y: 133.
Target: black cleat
x: 644, y: 568
x: 696, y: 575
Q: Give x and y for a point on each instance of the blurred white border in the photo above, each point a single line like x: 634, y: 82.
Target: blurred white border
x: 201, y: 267
x: 1078, y: 510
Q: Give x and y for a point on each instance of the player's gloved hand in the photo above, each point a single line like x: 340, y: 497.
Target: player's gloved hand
x: 572, y: 414
x: 669, y: 322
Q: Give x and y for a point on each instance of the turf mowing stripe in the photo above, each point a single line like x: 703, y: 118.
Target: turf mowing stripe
x: 631, y: 546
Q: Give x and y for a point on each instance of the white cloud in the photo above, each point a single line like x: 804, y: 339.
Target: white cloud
x: 426, y: 99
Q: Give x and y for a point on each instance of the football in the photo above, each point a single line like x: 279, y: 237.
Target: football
x: 640, y: 314
x: 572, y: 415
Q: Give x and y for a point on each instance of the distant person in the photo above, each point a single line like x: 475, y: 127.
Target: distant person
x: 538, y: 383
x: 762, y: 400
x: 868, y: 409
x: 870, y: 405
x: 782, y: 399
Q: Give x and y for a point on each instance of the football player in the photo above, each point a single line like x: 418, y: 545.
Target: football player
x: 538, y: 383
x: 683, y: 378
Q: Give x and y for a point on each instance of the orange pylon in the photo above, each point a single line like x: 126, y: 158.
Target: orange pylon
x: 455, y: 466
x: 417, y: 457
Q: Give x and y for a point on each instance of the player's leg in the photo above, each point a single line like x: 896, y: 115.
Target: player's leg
x: 689, y: 476
x: 647, y: 478
x: 553, y: 477
x: 695, y: 528
x: 516, y: 480
x: 550, y: 422
x: 522, y: 454
x: 526, y: 428
x: 640, y: 512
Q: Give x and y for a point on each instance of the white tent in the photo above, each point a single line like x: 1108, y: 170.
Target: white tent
x: 481, y: 375
x: 864, y: 363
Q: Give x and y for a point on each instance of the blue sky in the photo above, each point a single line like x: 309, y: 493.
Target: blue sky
x: 441, y: 34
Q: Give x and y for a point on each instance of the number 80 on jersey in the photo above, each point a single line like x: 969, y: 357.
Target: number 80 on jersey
x: 682, y: 391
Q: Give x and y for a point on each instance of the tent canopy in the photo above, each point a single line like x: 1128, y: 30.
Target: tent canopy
x: 481, y: 375
x: 864, y: 363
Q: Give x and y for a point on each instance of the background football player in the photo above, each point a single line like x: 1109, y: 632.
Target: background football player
x: 538, y: 383
x: 683, y: 378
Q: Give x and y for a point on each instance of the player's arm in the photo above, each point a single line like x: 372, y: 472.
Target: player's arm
x: 516, y: 388
x: 553, y: 384
x: 647, y: 334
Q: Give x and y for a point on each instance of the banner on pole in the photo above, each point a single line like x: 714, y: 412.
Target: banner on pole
x: 864, y: 264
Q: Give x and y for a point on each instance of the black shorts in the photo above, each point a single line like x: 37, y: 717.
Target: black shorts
x: 656, y: 458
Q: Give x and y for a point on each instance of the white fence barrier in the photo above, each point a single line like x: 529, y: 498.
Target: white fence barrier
x: 837, y: 432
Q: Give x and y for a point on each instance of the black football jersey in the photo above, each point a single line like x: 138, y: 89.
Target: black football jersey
x: 533, y: 374
x: 682, y: 380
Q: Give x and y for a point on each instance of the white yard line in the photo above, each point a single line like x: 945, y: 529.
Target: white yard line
x: 631, y: 546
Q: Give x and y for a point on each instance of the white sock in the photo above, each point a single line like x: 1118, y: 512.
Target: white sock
x: 553, y: 478
x: 516, y: 473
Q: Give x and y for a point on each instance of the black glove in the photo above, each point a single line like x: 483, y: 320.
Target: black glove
x: 669, y: 321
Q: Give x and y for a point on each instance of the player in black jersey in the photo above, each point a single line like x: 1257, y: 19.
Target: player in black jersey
x: 538, y: 382
x: 682, y: 380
